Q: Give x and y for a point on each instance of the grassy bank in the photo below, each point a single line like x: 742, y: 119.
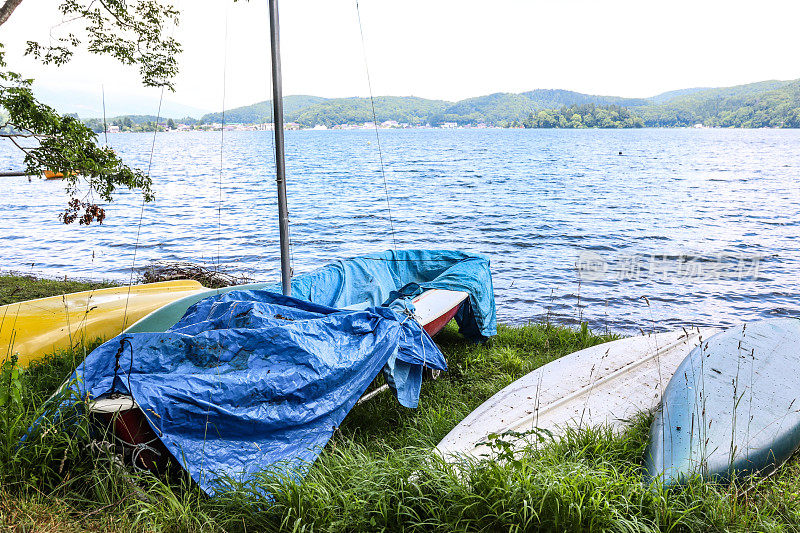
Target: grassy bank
x: 378, y: 472
x: 19, y: 287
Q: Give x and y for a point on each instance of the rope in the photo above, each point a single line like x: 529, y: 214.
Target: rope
x: 375, y: 123
x: 137, y: 449
x: 126, y: 340
x: 122, y: 341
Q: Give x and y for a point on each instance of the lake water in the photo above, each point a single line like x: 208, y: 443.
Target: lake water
x: 685, y: 227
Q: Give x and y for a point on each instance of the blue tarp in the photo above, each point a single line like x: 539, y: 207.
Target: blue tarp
x: 249, y: 381
x: 380, y: 278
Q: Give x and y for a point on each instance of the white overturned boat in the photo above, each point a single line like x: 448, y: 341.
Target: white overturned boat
x: 605, y: 385
x: 434, y: 308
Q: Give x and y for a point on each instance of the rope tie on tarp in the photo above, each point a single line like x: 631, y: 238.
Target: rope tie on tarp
x: 138, y: 449
x: 122, y: 341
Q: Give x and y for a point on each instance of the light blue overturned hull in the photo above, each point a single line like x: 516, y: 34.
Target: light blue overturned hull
x: 732, y: 407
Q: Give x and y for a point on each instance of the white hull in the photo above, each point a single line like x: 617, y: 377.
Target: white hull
x: 604, y: 385
x: 433, y: 304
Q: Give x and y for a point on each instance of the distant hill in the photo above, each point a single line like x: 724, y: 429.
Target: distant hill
x: 753, y: 105
x: 553, y: 98
x: 768, y: 103
x: 497, y: 109
x: 501, y: 108
x: 135, y: 122
x: 262, y: 111
x: 313, y: 110
x: 669, y: 95
x: 490, y: 109
x: 403, y: 109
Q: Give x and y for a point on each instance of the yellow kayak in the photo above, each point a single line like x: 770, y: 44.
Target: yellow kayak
x: 40, y: 327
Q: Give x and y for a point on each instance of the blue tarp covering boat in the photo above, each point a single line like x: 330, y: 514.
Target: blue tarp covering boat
x: 251, y: 381
x: 393, y: 277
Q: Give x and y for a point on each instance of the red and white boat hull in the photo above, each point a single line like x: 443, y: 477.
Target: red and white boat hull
x: 434, y: 308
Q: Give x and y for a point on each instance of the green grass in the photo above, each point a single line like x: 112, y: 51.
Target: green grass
x: 18, y: 288
x: 378, y: 472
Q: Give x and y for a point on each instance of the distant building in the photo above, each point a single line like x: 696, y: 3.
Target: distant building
x: 449, y: 125
x: 113, y: 129
x: 291, y: 126
x: 320, y: 127
x: 390, y: 124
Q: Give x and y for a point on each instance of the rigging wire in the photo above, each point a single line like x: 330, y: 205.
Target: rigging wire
x: 141, y: 210
x: 105, y: 128
x: 222, y: 138
x: 375, y: 123
x: 105, y: 136
x: 219, y: 221
x: 141, y: 213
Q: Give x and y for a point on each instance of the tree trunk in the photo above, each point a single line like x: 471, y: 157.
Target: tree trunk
x: 7, y: 8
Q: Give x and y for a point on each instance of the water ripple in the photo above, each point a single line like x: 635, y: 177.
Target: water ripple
x: 700, y: 222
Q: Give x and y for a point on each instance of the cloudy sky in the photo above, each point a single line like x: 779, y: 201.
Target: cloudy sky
x: 449, y: 49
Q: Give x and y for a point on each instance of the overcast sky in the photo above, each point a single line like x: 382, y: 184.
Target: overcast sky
x: 449, y: 49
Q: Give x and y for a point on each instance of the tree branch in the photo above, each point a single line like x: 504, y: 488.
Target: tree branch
x: 22, y: 148
x: 7, y: 8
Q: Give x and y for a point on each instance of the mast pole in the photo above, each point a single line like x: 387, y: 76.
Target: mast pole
x: 280, y: 164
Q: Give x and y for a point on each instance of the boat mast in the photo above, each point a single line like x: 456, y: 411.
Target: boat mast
x: 280, y: 164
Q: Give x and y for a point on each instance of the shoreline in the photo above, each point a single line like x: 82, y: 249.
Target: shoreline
x: 19, y: 287
x: 371, y: 462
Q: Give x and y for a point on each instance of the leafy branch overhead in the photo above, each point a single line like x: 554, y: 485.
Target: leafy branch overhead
x: 64, y: 144
x: 134, y: 33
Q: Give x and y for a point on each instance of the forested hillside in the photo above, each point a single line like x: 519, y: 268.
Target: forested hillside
x: 754, y: 105
x: 262, y: 111
x: 499, y: 109
x: 409, y: 109
x: 584, y: 116
x: 773, y: 104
